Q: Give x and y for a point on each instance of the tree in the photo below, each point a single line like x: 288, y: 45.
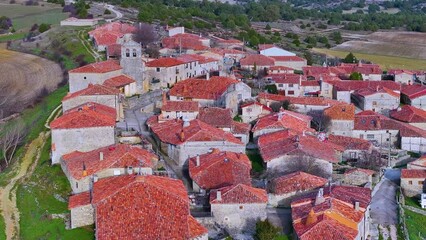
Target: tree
x: 266, y: 231
x: 43, y: 27
x: 320, y: 121
x: 350, y: 58
x: 144, y: 34
x: 107, y: 11
x: 308, y: 57
x: 272, y: 89
x: 268, y: 27
x: 355, y: 76
x: 11, y: 136
x: 371, y: 160
x: 5, y: 23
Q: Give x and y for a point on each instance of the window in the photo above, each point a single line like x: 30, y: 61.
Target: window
x: 291, y: 85
x: 158, y: 69
x: 280, y: 85
x: 374, y: 103
x: 370, y: 136
x: 84, y: 77
x: 127, y: 53
x: 421, y: 182
x: 290, y: 92
x: 241, y: 207
x: 134, y: 53
x: 240, y: 97
x: 352, y: 155
x: 410, y: 182
x: 76, y: 185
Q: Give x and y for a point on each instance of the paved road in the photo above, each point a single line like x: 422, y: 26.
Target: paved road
x: 280, y: 217
x: 384, y: 208
x: 118, y: 14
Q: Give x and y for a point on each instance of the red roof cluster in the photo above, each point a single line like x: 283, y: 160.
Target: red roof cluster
x: 349, y: 143
x: 310, y: 101
x: 259, y: 104
x: 399, y: 71
x: 186, y: 41
x: 86, y: 116
x: 341, y: 111
x: 409, y: 114
x: 277, y: 144
x: 219, y: 169
x: 413, y: 173
x: 288, y: 59
x: 357, y: 85
x: 287, y: 78
x: 187, y: 58
x: 258, y: 60
x: 119, y: 81
x: 222, y: 118
x: 98, y: 67
x: 294, y: 122
x: 174, y: 132
x: 413, y: 91
x: 91, y: 90
x: 185, y: 106
x: 238, y: 194
x: 265, y: 46
x: 82, y: 164
x: 364, y: 92
x: 202, y: 89
x: 164, y: 62
x: 332, y: 216
x: 361, y: 68
x: 109, y: 33
x: 142, y: 207
x: 295, y: 182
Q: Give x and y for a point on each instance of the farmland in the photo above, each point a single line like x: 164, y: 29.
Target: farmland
x: 385, y: 61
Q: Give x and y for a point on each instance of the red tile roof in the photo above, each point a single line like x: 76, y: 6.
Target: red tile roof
x: 184, y: 40
x: 98, y: 67
x: 288, y: 59
x: 114, y: 156
x: 239, y: 194
x: 413, y: 91
x: 310, y: 83
x: 85, y: 116
x: 258, y: 60
x: 142, y: 207
x: 364, y: 92
x: 287, y: 78
x: 257, y: 103
x: 277, y: 144
x: 421, y: 162
x: 108, y: 34
x: 202, y: 89
x: 413, y: 173
x: 220, y: 169
x: 399, y: 71
x: 361, y: 68
x: 173, y: 132
x: 296, y: 182
x: 283, y: 68
x: 78, y: 200
x: 195, y: 228
x: 341, y: 111
x: 335, y: 217
x: 313, y: 101
x: 366, y: 171
x: 164, y: 62
x: 119, y: 81
x: 114, y: 50
x: 349, y: 143
x: 222, y: 118
x: 265, y: 46
x: 409, y: 114
x: 186, y: 106
x: 91, y: 90
x: 295, y: 122
x: 356, y: 85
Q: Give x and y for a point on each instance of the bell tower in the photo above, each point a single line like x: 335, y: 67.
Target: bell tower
x: 131, y: 61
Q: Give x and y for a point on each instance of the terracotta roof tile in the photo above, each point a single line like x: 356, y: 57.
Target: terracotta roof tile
x: 171, y: 132
x: 202, y: 89
x: 78, y: 200
x: 257, y: 59
x: 85, y: 116
x: 421, y: 162
x: 341, y: 111
x: 281, y: 68
x: 220, y: 169
x: 114, y: 156
x: 114, y: 50
x: 119, y: 81
x: 164, y: 62
x: 98, y: 67
x: 91, y: 90
x: 356, y: 85
x: 239, y: 194
x: 186, y: 106
x: 313, y: 101
x: 413, y: 91
x: 295, y: 182
x: 409, y: 114
x: 186, y: 41
x: 109, y: 33
x: 399, y: 71
x: 413, y: 173
x: 195, y: 228
x: 265, y: 46
x: 288, y: 59
x: 259, y: 104
x: 222, y: 118
x: 349, y: 143
x: 295, y: 122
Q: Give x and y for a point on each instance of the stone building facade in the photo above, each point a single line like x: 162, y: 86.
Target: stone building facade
x: 413, y: 182
x: 131, y: 61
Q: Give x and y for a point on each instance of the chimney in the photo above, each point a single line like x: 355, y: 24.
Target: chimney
x: 356, y: 206
x: 208, y: 75
x: 320, y: 197
x: 280, y: 115
x: 101, y: 156
x: 377, y: 88
x: 312, y: 218
x: 304, y: 133
x: 267, y: 103
x: 186, y: 123
x: 164, y: 98
x: 84, y: 170
x: 182, y: 136
x: 197, y: 159
x: 218, y: 195
x: 95, y: 178
x: 226, y: 160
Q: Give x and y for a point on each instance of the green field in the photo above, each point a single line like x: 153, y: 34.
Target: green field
x: 23, y: 17
x: 386, y: 62
x: 10, y: 37
x: 416, y: 225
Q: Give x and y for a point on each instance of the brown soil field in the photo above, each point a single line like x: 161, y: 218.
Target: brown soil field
x: 399, y: 44
x: 23, y: 77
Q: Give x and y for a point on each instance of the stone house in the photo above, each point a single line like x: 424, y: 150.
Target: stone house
x: 287, y: 84
x: 98, y: 94
x: 83, y: 129
x: 219, y: 169
x: 414, y: 95
x: 185, y: 139
x: 377, y: 100
x: 358, y: 177
x: 237, y: 208
x: 253, y: 111
x: 114, y: 160
x: 284, y: 120
x: 125, y: 84
x: 338, y: 212
x: 171, y: 110
x: 310, y: 88
x: 284, y: 152
x: 95, y: 73
x: 282, y: 190
x: 411, y: 115
x: 222, y: 118
x: 369, y: 72
x: 256, y: 62
x: 164, y: 72
x: 279, y: 70
x: 402, y: 76
x: 413, y: 182
x: 353, y: 148
x: 215, y: 92
x: 343, y: 90
x: 294, y: 62
x: 188, y: 42
x: 136, y: 207
x: 340, y: 119
x: 418, y: 164
x: 270, y: 50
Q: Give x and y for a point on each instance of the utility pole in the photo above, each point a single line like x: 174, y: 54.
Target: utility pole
x: 389, y: 157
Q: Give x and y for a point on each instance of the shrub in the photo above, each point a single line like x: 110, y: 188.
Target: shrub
x: 43, y: 27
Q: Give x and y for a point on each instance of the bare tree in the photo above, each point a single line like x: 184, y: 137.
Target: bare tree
x: 12, y: 134
x: 320, y: 120
x: 304, y: 163
x: 144, y: 34
x: 371, y: 160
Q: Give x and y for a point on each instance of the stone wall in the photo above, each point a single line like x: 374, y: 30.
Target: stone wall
x: 79, y: 81
x: 107, y: 100
x: 286, y: 164
x: 413, y: 187
x: 82, y: 216
x: 357, y: 178
x: 284, y: 200
x: 238, y: 218
x: 341, y: 127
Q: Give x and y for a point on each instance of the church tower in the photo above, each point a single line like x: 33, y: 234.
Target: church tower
x: 131, y: 61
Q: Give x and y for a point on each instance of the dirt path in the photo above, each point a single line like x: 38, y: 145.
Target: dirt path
x: 88, y: 46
